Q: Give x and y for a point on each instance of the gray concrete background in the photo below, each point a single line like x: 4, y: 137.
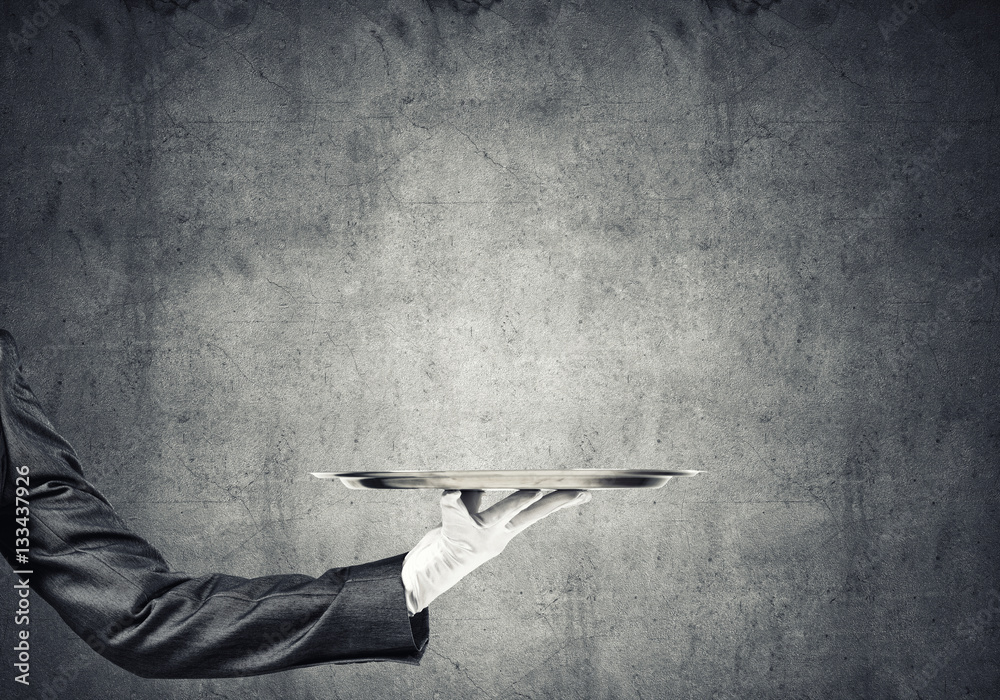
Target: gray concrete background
x: 245, y: 241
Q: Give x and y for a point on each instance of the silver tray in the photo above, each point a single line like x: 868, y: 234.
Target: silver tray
x: 505, y: 480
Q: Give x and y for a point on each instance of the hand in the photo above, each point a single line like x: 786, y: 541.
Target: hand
x: 467, y: 538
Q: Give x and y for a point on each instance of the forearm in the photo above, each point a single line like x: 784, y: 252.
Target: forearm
x: 117, y: 592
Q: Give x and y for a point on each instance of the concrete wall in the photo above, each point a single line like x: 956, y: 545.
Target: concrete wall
x: 243, y: 241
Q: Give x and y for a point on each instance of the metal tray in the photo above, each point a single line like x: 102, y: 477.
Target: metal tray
x: 505, y: 480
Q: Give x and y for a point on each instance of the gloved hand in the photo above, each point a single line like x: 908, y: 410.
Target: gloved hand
x: 466, y: 538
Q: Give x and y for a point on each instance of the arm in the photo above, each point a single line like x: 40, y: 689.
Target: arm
x: 117, y: 592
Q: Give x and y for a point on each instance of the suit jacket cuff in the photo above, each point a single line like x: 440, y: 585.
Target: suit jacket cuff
x: 372, y: 605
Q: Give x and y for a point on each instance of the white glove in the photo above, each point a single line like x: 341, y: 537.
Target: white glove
x: 466, y: 538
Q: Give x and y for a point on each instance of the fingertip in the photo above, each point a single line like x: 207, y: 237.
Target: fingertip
x: 578, y: 500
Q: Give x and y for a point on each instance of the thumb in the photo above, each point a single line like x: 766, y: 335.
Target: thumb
x: 453, y: 509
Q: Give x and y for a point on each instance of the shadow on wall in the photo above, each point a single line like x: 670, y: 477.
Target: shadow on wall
x: 465, y: 7
x: 743, y: 7
x: 235, y: 12
x: 224, y: 14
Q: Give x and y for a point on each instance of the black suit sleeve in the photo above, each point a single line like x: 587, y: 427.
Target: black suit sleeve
x: 117, y: 592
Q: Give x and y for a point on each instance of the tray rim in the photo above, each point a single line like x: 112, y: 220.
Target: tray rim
x: 417, y: 480
x: 451, y: 473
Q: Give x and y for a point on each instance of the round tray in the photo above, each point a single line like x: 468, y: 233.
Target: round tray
x: 505, y: 480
